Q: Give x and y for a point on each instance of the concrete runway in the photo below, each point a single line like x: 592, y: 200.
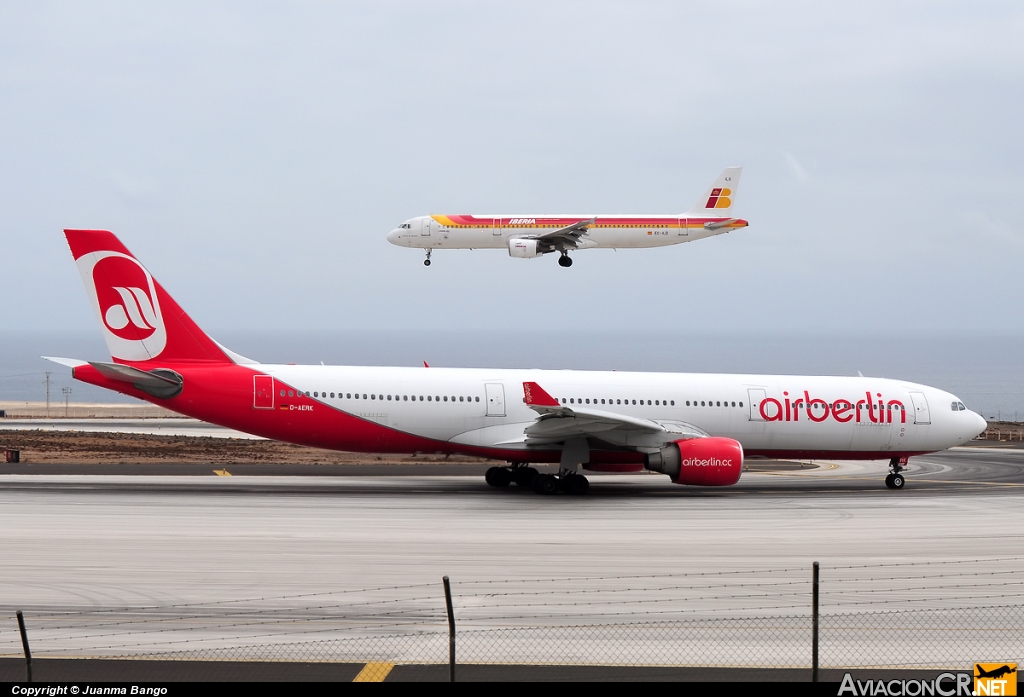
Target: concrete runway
x: 201, y: 564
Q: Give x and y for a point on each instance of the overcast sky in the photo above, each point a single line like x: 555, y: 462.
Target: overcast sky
x: 254, y: 155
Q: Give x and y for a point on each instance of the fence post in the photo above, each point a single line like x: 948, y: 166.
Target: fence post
x: 451, y: 630
x: 24, y: 643
x: 814, y: 627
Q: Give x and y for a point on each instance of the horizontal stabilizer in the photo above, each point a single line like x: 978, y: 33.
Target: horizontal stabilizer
x: 69, y: 362
x: 160, y: 382
x: 720, y: 224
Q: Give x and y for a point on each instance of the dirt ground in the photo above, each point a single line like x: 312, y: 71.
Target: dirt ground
x: 129, y: 448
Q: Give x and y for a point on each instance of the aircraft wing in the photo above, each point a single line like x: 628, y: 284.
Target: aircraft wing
x: 558, y: 422
x: 569, y: 235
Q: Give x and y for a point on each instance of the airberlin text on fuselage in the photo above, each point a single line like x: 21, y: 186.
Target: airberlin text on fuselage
x: 842, y: 410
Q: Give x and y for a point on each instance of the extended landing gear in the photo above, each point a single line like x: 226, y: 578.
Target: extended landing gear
x: 426, y: 262
x: 565, y: 261
x: 529, y: 477
x: 895, y: 480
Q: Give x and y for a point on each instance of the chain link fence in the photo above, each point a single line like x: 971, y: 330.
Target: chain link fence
x: 942, y: 615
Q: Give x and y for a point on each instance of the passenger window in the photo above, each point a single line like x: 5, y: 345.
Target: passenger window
x: 718, y: 404
x: 282, y: 393
x: 588, y: 401
x: 373, y: 396
x: 648, y: 402
x: 291, y: 393
x: 478, y: 399
x: 307, y: 393
x: 563, y: 400
x: 428, y: 398
x: 673, y: 402
x: 702, y: 403
x: 389, y: 398
x: 741, y: 405
x: 405, y: 398
x: 634, y: 401
x: 602, y: 401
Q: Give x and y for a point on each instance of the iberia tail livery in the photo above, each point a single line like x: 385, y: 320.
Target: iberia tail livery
x: 696, y: 428
x: 529, y: 236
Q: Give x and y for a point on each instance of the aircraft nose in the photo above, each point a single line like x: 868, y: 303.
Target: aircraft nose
x: 979, y: 423
x: 393, y: 236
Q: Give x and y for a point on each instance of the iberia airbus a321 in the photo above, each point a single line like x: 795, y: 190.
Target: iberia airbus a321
x: 695, y: 428
x: 528, y: 236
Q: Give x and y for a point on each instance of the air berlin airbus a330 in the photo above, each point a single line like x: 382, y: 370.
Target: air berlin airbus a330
x: 694, y: 428
x: 528, y: 236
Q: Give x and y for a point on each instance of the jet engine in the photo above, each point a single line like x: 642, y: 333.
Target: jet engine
x: 523, y: 249
x: 699, y: 461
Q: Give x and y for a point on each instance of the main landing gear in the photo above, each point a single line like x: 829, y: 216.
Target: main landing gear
x: 895, y: 480
x: 426, y: 262
x: 529, y: 477
x: 565, y: 261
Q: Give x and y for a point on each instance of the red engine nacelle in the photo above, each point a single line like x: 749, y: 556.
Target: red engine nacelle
x: 699, y: 461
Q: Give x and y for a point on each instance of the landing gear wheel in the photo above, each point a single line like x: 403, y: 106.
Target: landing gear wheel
x: 524, y: 476
x: 576, y: 484
x: 545, y: 484
x: 498, y: 476
x: 426, y: 262
x: 895, y: 480
x: 565, y: 261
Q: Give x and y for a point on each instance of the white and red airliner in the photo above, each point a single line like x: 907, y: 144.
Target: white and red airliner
x: 529, y: 236
x: 695, y: 428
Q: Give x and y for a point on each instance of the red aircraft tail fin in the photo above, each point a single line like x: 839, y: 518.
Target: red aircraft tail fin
x: 141, y: 322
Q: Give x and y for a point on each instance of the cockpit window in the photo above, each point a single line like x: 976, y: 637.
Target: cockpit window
x: 959, y: 406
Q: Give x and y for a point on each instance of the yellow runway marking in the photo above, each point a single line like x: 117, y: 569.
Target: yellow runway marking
x: 222, y: 473
x: 374, y: 671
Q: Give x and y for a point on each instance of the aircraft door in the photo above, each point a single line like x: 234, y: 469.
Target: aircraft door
x: 495, y: 398
x: 262, y: 392
x: 425, y: 226
x: 756, y: 397
x: 496, y: 226
x: 683, y: 230
x: 921, y: 413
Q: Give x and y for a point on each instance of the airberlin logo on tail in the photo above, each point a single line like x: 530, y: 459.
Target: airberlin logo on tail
x: 719, y: 198
x: 135, y: 309
x: 125, y: 299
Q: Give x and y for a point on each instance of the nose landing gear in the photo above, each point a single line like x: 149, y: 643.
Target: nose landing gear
x: 426, y: 262
x: 565, y: 261
x: 895, y: 480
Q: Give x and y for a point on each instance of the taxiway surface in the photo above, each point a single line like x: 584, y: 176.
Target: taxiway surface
x: 80, y: 542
